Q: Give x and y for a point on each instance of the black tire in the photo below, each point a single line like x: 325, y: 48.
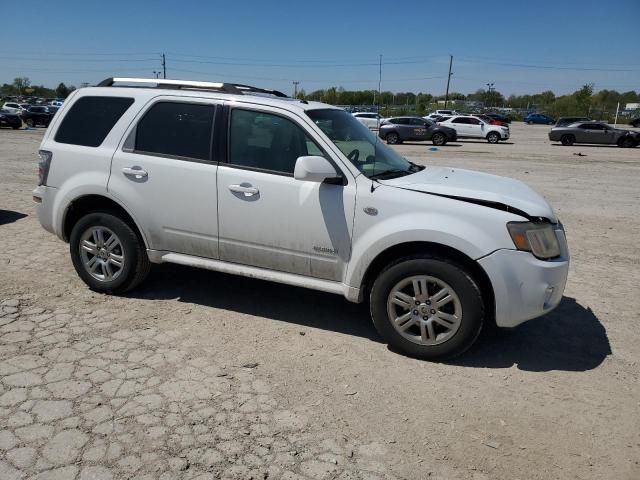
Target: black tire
x: 567, y: 140
x: 392, y: 138
x: 30, y: 122
x: 626, y: 142
x: 16, y: 127
x: 136, y: 263
x: 439, y: 139
x: 449, y: 272
x: 493, y: 137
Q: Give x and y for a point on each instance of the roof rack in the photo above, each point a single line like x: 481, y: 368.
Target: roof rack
x: 234, y: 88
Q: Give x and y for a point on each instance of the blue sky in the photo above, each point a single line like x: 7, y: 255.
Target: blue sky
x: 522, y: 47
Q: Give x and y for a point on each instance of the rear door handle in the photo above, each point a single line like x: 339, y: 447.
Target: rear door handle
x: 245, y: 188
x: 136, y: 171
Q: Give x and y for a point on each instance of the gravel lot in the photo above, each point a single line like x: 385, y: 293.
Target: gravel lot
x: 204, y: 375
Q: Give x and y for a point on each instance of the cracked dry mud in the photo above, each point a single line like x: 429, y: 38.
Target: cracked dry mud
x: 82, y: 398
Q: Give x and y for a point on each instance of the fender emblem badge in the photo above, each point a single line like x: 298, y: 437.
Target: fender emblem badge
x: 370, y: 210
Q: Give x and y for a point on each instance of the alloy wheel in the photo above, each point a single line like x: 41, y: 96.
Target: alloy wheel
x: 102, y: 253
x: 424, y: 310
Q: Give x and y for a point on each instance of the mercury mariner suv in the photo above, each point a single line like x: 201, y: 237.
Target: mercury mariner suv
x: 247, y: 181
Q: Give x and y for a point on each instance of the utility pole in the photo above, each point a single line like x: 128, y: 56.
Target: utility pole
x: 164, y: 67
x: 491, y: 88
x: 295, y: 88
x: 446, y: 96
x: 379, y: 84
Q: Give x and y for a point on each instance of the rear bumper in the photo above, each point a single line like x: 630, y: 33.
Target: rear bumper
x: 525, y: 287
x: 44, y: 198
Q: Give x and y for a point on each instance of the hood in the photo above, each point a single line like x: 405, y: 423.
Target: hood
x: 477, y: 187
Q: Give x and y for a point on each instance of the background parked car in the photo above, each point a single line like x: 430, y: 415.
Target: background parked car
x: 489, y: 120
x: 539, y: 118
x: 498, y: 117
x: 9, y: 119
x: 368, y: 119
x: 564, y: 121
x: 400, y: 129
x: 468, y: 126
x: 594, y: 132
x: 635, y: 122
x: 37, y: 116
x: 13, y: 107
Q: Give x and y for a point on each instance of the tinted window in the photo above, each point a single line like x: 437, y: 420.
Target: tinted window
x: 417, y: 122
x: 592, y: 126
x: 473, y: 121
x: 460, y: 120
x: 403, y: 121
x: 176, y: 129
x: 91, y: 119
x: 268, y: 142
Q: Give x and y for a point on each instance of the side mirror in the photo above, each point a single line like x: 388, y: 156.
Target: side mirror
x: 314, y: 168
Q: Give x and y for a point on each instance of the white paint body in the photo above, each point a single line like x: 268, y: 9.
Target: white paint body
x: 478, y: 130
x: 368, y: 119
x: 316, y: 235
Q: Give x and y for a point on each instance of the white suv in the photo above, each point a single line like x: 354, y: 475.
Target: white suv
x: 469, y: 126
x: 368, y: 119
x: 247, y: 181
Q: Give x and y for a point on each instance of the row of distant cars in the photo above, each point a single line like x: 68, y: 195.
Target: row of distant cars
x: 444, y: 126
x: 13, y: 114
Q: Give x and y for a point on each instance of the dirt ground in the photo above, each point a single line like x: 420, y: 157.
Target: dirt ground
x: 205, y: 375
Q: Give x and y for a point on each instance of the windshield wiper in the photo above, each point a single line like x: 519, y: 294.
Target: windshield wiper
x: 388, y: 174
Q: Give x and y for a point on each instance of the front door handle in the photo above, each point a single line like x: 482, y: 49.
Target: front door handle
x: 136, y: 171
x: 246, y: 188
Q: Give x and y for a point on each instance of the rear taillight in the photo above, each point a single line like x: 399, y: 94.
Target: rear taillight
x: 43, y: 166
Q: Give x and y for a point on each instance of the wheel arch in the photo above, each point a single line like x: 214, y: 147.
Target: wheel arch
x: 408, y: 249
x: 85, y: 204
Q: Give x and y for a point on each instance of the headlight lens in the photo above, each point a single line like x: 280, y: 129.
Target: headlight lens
x: 537, y: 238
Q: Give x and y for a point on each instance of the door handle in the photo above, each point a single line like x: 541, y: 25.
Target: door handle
x: 137, y: 171
x: 244, y: 188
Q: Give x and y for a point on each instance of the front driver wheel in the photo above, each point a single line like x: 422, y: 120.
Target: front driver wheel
x: 107, y: 253
x: 439, y: 139
x: 427, y: 307
x: 493, y: 137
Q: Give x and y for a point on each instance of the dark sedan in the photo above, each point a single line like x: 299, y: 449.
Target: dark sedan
x: 635, y: 122
x: 37, y: 116
x: 8, y: 119
x: 399, y: 129
x: 594, y: 132
x: 539, y: 118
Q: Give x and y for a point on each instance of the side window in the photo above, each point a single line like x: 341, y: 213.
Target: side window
x: 267, y: 142
x: 473, y: 121
x: 417, y: 122
x: 461, y: 120
x: 91, y: 119
x: 176, y: 129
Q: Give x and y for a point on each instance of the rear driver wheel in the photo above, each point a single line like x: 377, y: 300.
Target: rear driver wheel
x: 392, y: 138
x: 107, y: 253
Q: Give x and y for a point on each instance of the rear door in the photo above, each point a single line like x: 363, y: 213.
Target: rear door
x: 165, y: 174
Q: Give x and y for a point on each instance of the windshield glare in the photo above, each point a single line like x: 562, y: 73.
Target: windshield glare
x: 357, y: 142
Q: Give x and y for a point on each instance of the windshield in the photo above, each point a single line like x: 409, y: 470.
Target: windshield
x: 358, y: 143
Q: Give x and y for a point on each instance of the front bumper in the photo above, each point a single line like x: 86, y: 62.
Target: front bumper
x: 524, y: 286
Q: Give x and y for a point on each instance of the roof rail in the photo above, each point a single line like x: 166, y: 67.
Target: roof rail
x: 235, y: 88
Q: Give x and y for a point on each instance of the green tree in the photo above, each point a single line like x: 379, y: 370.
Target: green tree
x: 21, y: 83
x: 62, y: 91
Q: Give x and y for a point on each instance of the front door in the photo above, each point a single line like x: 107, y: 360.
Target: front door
x: 269, y: 219
x: 165, y: 176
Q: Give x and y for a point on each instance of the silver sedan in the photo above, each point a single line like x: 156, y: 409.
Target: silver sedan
x: 594, y: 132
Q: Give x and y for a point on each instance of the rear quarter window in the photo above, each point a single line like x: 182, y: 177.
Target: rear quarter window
x: 90, y: 120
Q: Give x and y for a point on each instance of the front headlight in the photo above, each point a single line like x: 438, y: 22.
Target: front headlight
x: 537, y: 238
